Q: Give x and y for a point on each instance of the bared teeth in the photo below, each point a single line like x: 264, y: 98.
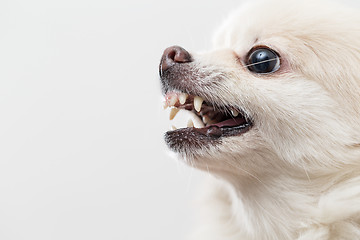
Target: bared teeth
x: 173, y: 127
x: 198, y: 101
x: 190, y: 123
x: 173, y: 113
x: 234, y: 112
x: 165, y: 105
x: 182, y: 98
x: 205, y: 119
x: 173, y: 99
x: 204, y: 114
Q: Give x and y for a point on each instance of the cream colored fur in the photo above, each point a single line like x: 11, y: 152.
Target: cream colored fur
x: 296, y: 173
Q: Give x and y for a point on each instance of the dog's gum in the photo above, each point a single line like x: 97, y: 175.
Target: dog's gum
x: 214, y: 131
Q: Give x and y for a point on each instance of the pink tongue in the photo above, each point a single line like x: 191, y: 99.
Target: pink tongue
x: 230, y: 122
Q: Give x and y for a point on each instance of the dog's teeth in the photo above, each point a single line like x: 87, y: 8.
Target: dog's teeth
x: 205, y: 119
x: 173, y: 99
x: 173, y: 113
x: 234, y: 112
x: 165, y: 105
x: 173, y: 127
x: 190, y: 123
x: 182, y: 98
x: 198, y: 103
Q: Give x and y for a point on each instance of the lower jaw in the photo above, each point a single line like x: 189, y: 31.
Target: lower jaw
x: 190, y: 140
x: 218, y: 132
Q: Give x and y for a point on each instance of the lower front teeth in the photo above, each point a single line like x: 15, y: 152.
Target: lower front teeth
x: 173, y: 113
x: 190, y: 123
x: 174, y: 99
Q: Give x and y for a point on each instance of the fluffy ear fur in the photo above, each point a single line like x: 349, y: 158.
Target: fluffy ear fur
x: 295, y: 174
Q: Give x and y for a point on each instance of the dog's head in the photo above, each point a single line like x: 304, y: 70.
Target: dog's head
x: 280, y: 88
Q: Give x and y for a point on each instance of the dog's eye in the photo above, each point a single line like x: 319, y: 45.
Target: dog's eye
x: 263, y: 60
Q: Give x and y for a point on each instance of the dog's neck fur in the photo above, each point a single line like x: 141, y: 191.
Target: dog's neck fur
x: 281, y: 207
x: 272, y: 205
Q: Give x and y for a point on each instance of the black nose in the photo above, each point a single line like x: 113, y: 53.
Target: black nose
x: 173, y: 55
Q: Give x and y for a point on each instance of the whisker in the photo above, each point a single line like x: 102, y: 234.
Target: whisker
x: 249, y: 65
x: 268, y: 60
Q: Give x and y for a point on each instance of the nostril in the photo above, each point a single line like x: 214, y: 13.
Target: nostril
x: 174, y: 55
x: 171, y: 55
x: 180, y: 55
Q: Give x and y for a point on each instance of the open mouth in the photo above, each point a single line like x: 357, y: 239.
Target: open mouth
x: 210, y: 121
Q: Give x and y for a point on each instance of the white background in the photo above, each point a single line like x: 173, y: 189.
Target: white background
x: 81, y: 122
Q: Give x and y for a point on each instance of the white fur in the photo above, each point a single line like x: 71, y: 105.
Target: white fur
x: 296, y: 173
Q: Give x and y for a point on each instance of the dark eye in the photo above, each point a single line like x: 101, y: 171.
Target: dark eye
x: 263, y: 60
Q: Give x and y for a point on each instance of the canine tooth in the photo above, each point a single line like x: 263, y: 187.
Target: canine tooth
x: 190, y: 123
x: 173, y: 113
x: 173, y: 99
x: 234, y: 112
x: 198, y: 103
x: 165, y: 105
x: 182, y: 98
x: 173, y: 127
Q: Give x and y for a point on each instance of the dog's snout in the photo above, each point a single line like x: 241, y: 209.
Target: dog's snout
x: 173, y: 55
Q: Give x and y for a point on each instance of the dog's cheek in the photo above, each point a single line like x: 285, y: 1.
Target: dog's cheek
x: 302, y: 123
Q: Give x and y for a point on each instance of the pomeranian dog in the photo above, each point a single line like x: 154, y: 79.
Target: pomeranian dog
x: 276, y: 106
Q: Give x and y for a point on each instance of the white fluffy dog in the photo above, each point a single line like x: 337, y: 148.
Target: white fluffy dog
x: 276, y: 107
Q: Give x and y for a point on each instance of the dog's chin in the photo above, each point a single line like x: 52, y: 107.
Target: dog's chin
x: 191, y: 142
x: 227, y: 156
